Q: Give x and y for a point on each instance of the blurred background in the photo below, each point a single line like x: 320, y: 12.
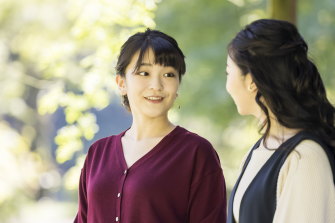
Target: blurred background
x: 57, y: 90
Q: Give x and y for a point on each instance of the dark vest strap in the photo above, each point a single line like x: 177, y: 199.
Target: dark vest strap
x: 258, y: 203
x: 230, y: 215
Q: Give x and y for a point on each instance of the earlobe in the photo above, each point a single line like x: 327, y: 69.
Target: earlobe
x: 120, y: 81
x: 251, y: 86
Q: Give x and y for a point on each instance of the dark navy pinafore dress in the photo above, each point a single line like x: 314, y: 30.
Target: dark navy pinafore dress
x: 258, y: 204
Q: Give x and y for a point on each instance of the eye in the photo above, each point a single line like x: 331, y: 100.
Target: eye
x: 169, y: 75
x: 142, y: 73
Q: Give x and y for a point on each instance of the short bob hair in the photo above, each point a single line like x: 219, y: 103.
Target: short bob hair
x: 165, y: 48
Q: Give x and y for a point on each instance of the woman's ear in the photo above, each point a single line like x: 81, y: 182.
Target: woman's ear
x: 121, y: 83
x: 250, y: 84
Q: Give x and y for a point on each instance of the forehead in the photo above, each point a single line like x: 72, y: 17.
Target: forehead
x: 135, y: 57
x: 148, y: 57
x: 230, y: 62
x: 147, y: 60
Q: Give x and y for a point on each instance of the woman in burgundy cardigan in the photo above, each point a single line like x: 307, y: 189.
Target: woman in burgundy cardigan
x: 154, y: 172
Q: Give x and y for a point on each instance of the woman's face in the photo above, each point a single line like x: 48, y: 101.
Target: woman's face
x: 242, y: 89
x: 152, y: 89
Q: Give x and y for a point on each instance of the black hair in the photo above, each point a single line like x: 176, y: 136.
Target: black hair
x: 165, y: 48
x: 275, y: 55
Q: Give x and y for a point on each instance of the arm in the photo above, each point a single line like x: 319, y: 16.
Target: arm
x: 208, y: 199
x: 82, y: 211
x: 306, y: 191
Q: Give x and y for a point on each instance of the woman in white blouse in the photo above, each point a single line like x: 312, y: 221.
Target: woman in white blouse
x: 288, y: 175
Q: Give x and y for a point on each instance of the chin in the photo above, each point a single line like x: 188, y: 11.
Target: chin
x: 242, y: 112
x: 155, y: 114
x: 245, y: 113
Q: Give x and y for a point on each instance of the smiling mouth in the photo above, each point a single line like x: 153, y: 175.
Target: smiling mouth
x: 154, y: 99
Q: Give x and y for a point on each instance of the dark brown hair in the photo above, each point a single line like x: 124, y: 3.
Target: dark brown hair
x: 275, y: 55
x: 165, y: 48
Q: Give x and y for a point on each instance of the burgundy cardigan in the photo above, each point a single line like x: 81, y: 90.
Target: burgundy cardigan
x: 179, y: 181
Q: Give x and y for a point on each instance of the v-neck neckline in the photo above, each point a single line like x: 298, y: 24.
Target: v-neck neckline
x: 256, y: 146
x: 147, y: 155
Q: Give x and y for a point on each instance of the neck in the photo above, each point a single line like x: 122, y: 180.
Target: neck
x: 144, y: 128
x: 279, y: 134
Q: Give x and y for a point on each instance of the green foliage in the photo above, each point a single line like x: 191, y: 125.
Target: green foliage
x: 56, y: 56
x: 283, y: 10
x: 316, y: 22
x: 203, y: 30
x: 60, y: 56
x: 80, y: 64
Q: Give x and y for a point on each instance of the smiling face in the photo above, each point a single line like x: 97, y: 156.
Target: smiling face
x: 242, y: 89
x: 151, y: 89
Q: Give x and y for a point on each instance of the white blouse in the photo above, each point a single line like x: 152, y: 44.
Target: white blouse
x: 305, y: 187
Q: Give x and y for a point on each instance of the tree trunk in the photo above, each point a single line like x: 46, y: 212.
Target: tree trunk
x: 283, y: 10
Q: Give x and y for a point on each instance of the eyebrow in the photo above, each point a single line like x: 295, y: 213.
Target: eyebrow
x: 145, y: 64
x: 150, y: 65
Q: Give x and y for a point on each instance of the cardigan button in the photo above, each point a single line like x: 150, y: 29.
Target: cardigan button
x: 125, y: 172
x: 117, y: 219
x: 118, y: 194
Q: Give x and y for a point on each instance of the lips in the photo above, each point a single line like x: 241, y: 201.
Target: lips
x: 154, y: 99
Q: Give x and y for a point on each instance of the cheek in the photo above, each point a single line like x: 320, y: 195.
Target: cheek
x: 230, y: 86
x: 227, y: 87
x: 172, y: 86
x: 133, y: 85
x: 176, y: 88
x: 237, y: 91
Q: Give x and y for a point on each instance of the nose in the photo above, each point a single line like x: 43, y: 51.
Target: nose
x: 156, y: 83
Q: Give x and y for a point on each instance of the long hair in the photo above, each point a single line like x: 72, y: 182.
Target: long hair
x: 165, y: 48
x: 275, y: 55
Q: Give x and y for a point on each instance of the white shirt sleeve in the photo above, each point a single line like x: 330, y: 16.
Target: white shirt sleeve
x: 305, y: 187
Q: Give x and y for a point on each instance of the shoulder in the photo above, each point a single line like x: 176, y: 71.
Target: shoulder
x: 101, y: 142
x: 197, y: 145
x: 199, y: 148
x: 192, y: 138
x: 307, y: 161
x: 309, y: 151
x: 305, y: 187
x: 103, y: 145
